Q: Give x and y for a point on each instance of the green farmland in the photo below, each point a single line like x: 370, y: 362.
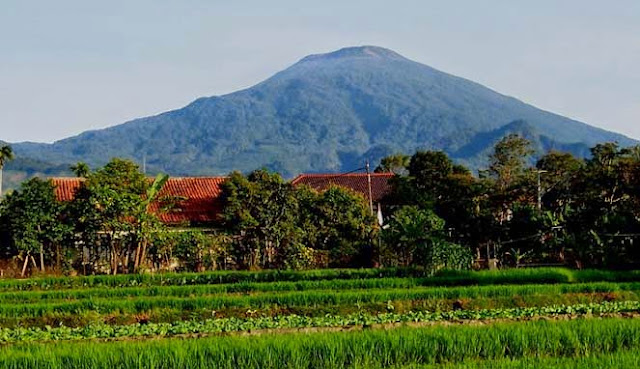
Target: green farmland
x: 367, y: 318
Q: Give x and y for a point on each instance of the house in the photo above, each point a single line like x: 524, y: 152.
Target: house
x: 358, y: 182
x: 198, y: 199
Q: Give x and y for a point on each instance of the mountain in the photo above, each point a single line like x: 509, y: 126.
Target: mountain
x: 22, y: 168
x: 327, y: 112
x: 475, y: 153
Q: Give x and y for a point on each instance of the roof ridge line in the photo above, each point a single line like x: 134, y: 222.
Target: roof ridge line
x: 342, y: 174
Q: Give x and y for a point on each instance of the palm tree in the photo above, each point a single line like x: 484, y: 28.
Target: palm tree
x: 81, y: 169
x: 6, y: 154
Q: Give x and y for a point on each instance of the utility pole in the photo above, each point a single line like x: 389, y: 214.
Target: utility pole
x: 369, y: 185
x: 539, y: 172
x: 144, y: 163
x: 375, y: 253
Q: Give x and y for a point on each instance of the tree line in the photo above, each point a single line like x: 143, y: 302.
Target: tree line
x: 557, y: 210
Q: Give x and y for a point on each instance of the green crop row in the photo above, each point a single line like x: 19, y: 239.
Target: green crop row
x: 445, y: 278
x: 293, y: 299
x: 200, y: 290
x: 294, y: 321
x: 623, y: 359
x: 360, y: 349
x: 215, y: 277
x: 80, y: 318
x: 362, y: 285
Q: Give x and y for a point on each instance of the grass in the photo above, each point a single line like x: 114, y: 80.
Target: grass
x: 445, y: 278
x: 623, y: 359
x: 120, y: 306
x: 139, y: 307
x: 363, y: 286
x: 320, y: 298
x: 572, y: 340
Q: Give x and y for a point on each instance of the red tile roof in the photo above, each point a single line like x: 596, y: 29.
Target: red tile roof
x: 65, y: 188
x: 198, y: 198
x: 380, y: 186
x: 201, y: 199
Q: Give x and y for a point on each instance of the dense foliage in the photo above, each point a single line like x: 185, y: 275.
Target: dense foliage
x: 109, y: 227
x: 562, y: 210
x: 558, y: 210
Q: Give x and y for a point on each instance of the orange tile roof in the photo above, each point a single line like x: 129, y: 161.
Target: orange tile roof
x: 65, y: 188
x: 380, y: 186
x: 198, y: 198
x: 201, y: 199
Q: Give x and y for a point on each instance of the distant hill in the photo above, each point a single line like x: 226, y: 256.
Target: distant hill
x: 22, y: 168
x: 327, y: 112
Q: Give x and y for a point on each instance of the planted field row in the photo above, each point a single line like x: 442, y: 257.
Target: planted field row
x: 215, y: 277
x: 318, y: 287
x: 622, y: 359
x: 200, y: 290
x: 295, y: 299
x: 447, y: 278
x: 80, y: 318
x: 294, y: 321
x: 362, y: 349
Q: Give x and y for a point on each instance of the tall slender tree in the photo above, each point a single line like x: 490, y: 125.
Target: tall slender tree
x: 6, y: 154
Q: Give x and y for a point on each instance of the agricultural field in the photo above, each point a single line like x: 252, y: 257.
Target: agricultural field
x: 367, y: 318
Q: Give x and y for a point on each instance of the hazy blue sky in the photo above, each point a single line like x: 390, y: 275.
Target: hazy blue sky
x: 68, y: 66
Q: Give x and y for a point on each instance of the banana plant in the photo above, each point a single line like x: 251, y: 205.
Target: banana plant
x: 146, y: 219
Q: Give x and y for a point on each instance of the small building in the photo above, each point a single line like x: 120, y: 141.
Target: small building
x: 358, y: 182
x: 198, y: 199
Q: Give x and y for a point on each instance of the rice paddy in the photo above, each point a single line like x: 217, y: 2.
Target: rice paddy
x: 369, y: 318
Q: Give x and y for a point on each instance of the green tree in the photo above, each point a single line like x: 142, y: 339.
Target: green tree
x: 105, y: 209
x: 339, y: 222
x: 429, y: 170
x: 31, y: 216
x: 409, y: 229
x: 435, y: 183
x: 199, y: 251
x: 260, y: 210
x: 509, y: 160
x: 415, y: 237
x: 80, y: 169
x: 559, y: 174
x: 396, y: 164
x: 605, y: 208
x: 511, y: 177
x: 425, y: 182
